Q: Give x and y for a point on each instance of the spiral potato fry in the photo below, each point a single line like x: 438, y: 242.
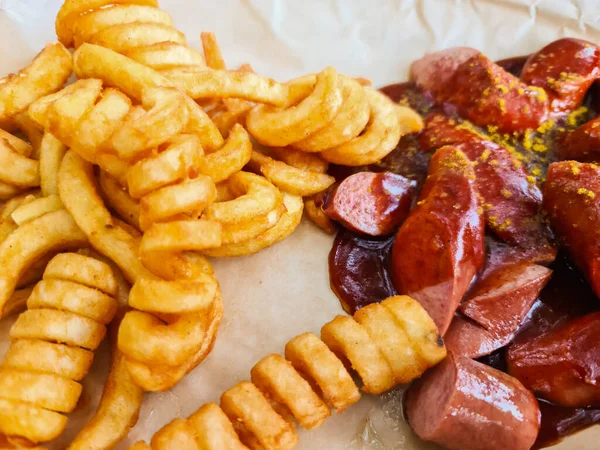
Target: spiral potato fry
x: 141, y: 31
x: 52, y: 346
x: 18, y: 170
x: 47, y: 73
x: 161, y: 340
x: 345, y: 122
x: 386, y: 344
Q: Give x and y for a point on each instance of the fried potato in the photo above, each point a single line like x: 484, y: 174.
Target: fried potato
x: 47, y: 73
x: 200, y: 124
x: 17, y: 302
x: 183, y: 155
x: 212, y: 51
x: 51, y: 155
x: 52, y: 231
x: 79, y: 194
x: 16, y: 169
x: 118, y: 199
x: 257, y: 424
x: 72, y: 9
x: 379, y: 138
x: 318, y: 217
x: 82, y: 121
x: 94, y: 21
x: 298, y: 159
x: 31, y: 131
x: 51, y: 341
x: 280, y: 383
x: 147, y: 339
x: 36, y: 208
x: 315, y: 361
x: 380, y: 323
x: 166, y: 55
x: 16, y: 418
x: 288, y: 178
x: 121, y: 398
x: 253, y: 197
x: 114, y: 69
x: 351, y: 342
x: 282, y: 229
x: 7, y: 224
x: 419, y: 327
x: 166, y: 116
x: 200, y: 83
x: 349, y: 122
x: 157, y: 378
x: 230, y: 158
x: 279, y: 128
x: 311, y: 376
x: 127, y: 36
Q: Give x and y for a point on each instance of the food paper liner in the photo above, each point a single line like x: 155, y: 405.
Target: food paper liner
x: 284, y: 290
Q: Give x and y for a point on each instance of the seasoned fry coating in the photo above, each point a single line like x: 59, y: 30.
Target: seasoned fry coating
x: 53, y: 344
x: 333, y: 115
x: 386, y: 343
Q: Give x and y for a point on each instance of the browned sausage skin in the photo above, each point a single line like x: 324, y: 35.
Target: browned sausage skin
x: 495, y: 309
x: 369, y: 203
x: 566, y: 69
x: 563, y: 364
x: 464, y: 405
x: 512, y: 202
x: 572, y: 201
x: 480, y: 90
x: 583, y: 143
x: 440, y: 247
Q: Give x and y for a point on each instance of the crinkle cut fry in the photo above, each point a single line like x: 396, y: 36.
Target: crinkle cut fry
x: 52, y: 346
x: 314, y: 373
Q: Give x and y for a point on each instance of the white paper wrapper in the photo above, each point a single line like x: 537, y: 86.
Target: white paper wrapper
x: 284, y: 290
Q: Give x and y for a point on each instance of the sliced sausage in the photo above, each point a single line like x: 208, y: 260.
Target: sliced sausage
x: 566, y: 69
x: 513, y: 65
x: 469, y: 339
x: 512, y: 201
x: 500, y: 301
x: 495, y: 308
x: 481, y: 91
x: 563, y: 364
x: 572, y: 201
x: 462, y: 404
x: 370, y: 203
x: 582, y: 144
x: 434, y: 70
x: 440, y: 247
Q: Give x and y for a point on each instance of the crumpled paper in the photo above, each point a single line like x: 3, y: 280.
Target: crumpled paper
x: 284, y: 291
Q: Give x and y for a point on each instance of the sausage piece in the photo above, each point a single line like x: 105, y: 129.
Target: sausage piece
x: 512, y: 202
x: 469, y: 339
x: 583, y: 143
x: 500, y: 301
x: 481, y: 91
x: 495, y: 308
x: 434, y: 70
x: 440, y: 247
x: 462, y: 404
x: 572, y: 201
x: 370, y: 203
x: 566, y: 69
x: 563, y: 364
